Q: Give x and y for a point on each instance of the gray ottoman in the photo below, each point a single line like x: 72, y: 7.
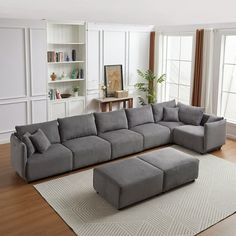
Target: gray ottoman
x: 126, y: 182
x: 178, y: 167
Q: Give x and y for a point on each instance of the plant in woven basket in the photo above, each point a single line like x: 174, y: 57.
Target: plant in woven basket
x: 148, y: 87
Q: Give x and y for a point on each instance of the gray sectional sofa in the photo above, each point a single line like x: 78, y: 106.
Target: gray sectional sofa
x: 80, y: 141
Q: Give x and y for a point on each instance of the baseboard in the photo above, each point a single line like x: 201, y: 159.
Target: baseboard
x: 4, y: 141
x: 231, y: 136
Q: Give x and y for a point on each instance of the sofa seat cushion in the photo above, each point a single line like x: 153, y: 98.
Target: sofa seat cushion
x: 170, y: 125
x: 77, y: 126
x: 57, y: 159
x: 109, y: 121
x: 50, y: 129
x: 190, y: 136
x: 139, y: 116
x: 123, y: 142
x: 88, y: 150
x: 153, y: 134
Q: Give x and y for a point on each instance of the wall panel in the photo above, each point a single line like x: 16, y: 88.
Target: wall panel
x: 38, y: 49
x: 12, y: 61
x: 12, y: 114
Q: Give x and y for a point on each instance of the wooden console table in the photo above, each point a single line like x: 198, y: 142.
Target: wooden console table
x: 109, y: 101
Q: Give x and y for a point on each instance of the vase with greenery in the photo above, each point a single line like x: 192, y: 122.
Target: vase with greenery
x: 148, y: 87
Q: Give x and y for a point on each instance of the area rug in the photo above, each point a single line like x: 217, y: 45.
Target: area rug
x: 187, y: 210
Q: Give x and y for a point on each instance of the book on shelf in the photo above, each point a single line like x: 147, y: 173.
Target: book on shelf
x: 53, y: 56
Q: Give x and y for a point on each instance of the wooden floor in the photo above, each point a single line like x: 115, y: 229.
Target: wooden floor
x: 24, y: 212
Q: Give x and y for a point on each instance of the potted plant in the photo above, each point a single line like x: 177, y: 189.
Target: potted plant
x: 149, y: 87
x: 76, y: 91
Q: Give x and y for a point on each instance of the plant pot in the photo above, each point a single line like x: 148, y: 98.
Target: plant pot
x: 76, y: 94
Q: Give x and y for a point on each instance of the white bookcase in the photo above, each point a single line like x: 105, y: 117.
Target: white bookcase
x: 65, y: 37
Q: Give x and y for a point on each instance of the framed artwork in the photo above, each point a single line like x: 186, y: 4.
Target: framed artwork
x: 113, y: 79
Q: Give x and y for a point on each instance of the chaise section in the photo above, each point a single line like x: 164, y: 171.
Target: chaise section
x: 190, y: 136
x: 57, y: 159
x: 126, y: 182
x: 154, y: 135
x: 123, y: 142
x: 88, y: 150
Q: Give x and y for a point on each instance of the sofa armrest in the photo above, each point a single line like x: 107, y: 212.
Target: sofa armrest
x: 18, y: 156
x: 214, y: 135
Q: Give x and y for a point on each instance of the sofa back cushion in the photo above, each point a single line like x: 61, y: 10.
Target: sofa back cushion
x: 158, y: 109
x: 49, y: 128
x: 189, y: 114
x: 77, y: 126
x: 139, y: 116
x: 108, y: 121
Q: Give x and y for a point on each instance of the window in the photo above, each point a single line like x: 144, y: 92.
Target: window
x: 177, y: 65
x: 227, y: 91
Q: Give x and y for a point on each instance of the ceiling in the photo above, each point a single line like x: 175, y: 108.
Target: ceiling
x: 154, y: 12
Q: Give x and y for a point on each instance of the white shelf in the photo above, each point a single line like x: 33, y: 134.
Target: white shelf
x: 65, y: 62
x: 67, y: 99
x: 64, y: 81
x: 66, y: 43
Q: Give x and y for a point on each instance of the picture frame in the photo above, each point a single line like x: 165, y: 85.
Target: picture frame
x: 113, y: 79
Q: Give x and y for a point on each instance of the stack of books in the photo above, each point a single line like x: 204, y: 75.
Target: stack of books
x: 55, y: 56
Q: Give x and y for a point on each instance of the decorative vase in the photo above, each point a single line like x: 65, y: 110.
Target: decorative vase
x: 76, y: 94
x: 73, y: 55
x: 53, y: 76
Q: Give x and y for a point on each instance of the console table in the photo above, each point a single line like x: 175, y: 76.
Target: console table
x: 109, y: 101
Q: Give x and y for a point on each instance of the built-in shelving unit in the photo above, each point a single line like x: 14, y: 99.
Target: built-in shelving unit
x: 62, y: 39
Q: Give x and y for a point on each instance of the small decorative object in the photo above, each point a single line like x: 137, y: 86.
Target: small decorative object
x: 81, y: 74
x: 53, y: 76
x: 74, y: 74
x: 113, y: 79
x: 121, y: 94
x: 67, y: 58
x: 65, y: 95
x: 63, y: 75
x: 58, y: 94
x: 76, y: 91
x: 103, y: 89
x: 149, y: 87
x: 73, y: 55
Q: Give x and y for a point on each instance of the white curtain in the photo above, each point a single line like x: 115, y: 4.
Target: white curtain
x: 207, y: 75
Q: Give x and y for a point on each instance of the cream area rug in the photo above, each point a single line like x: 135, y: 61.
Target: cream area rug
x: 187, y: 210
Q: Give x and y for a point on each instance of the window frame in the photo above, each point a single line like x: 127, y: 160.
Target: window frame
x: 220, y: 46
x: 162, y: 64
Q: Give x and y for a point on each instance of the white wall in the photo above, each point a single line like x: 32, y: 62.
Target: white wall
x: 23, y: 91
x: 115, y: 44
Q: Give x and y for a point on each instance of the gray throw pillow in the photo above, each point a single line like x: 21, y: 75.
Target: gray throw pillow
x: 171, y: 114
x: 189, y: 114
x: 40, y: 141
x: 158, y: 109
x: 29, y: 145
